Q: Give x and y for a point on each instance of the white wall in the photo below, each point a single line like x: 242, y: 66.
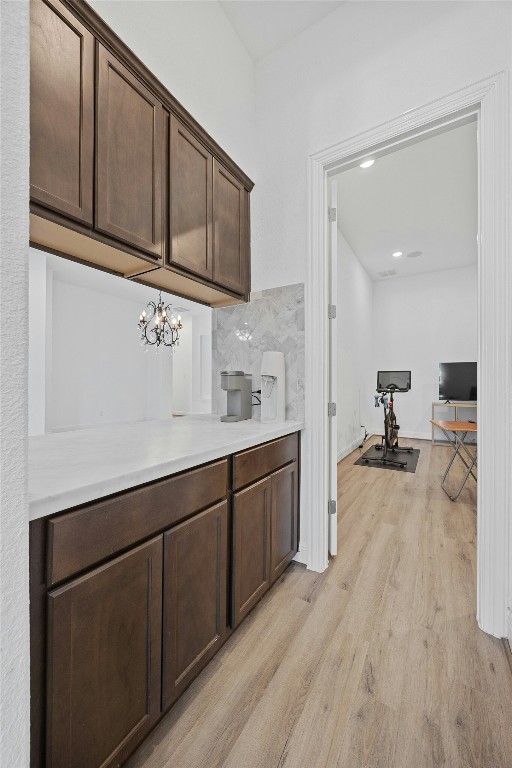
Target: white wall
x: 201, y: 364
x: 420, y: 322
x: 39, y: 308
x: 192, y: 362
x: 194, y: 51
x: 100, y: 372
x: 361, y: 65
x: 87, y: 365
x: 182, y: 374
x: 14, y: 626
x: 355, y: 346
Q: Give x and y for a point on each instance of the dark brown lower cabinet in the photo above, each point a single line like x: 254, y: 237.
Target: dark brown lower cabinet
x: 195, y: 567
x: 104, y: 660
x: 265, y: 536
x: 115, y: 647
x: 251, y: 547
x: 283, y: 519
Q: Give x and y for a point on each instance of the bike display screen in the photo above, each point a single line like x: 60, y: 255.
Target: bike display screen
x: 396, y: 381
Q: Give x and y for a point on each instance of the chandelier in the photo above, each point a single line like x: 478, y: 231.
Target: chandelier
x: 158, y: 325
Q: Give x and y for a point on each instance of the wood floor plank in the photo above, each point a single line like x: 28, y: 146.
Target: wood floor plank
x: 370, y: 737
x: 264, y: 740
x: 376, y: 663
x: 327, y: 710
x: 421, y: 738
x: 472, y: 735
x: 217, y: 711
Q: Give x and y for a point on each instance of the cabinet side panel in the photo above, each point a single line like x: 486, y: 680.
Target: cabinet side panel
x: 229, y: 221
x: 37, y: 550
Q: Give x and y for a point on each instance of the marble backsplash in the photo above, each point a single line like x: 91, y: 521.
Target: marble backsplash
x: 274, y: 318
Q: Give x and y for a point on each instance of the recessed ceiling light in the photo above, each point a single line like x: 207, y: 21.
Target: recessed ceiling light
x: 414, y: 254
x: 367, y: 164
x: 397, y: 254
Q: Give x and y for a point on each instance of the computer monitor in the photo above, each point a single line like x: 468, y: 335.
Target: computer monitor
x: 397, y: 381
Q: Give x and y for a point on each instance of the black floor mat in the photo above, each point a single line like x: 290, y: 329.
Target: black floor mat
x: 411, y: 459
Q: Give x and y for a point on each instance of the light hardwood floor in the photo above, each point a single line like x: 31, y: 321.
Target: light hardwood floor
x: 376, y: 662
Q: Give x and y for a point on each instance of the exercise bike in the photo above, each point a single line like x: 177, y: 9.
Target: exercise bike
x: 389, y: 382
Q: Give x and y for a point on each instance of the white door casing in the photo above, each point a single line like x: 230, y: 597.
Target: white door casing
x: 332, y: 290
x: 489, y: 98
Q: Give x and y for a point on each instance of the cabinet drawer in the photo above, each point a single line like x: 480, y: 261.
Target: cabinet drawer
x: 250, y: 465
x: 80, y: 539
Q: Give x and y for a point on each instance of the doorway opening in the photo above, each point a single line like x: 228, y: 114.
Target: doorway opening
x: 487, y: 100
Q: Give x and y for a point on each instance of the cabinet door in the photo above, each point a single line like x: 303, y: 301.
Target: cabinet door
x: 128, y: 157
x: 283, y: 519
x: 191, y: 202
x: 230, y: 230
x: 251, y: 547
x: 61, y: 110
x: 195, y: 567
x: 104, y: 660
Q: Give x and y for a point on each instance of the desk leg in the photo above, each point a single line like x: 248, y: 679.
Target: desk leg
x: 458, y: 443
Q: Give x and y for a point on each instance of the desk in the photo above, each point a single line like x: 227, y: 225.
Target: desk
x: 436, y: 405
x: 456, y: 432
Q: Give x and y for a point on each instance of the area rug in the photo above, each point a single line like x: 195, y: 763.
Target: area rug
x: 410, y: 458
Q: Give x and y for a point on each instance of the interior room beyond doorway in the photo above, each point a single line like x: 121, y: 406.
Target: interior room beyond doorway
x: 407, y: 277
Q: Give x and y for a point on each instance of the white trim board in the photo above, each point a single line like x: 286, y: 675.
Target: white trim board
x: 347, y: 450
x: 489, y: 99
x: 301, y: 556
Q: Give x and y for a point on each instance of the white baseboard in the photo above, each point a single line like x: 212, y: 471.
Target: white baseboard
x: 352, y: 446
x: 301, y: 556
x: 414, y: 435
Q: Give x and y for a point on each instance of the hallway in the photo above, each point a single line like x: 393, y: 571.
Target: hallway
x: 376, y: 662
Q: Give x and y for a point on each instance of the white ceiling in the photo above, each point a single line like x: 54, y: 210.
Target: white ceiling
x: 265, y: 25
x: 422, y: 197
x: 67, y: 271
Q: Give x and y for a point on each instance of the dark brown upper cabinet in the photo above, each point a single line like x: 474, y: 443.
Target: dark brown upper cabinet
x: 61, y: 111
x: 104, y: 661
x: 122, y: 176
x: 230, y: 230
x: 129, y: 126
x: 190, y: 201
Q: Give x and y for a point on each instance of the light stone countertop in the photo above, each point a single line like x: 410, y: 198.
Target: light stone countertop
x: 71, y: 468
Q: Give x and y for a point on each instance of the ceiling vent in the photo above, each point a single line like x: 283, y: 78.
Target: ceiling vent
x: 387, y: 273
